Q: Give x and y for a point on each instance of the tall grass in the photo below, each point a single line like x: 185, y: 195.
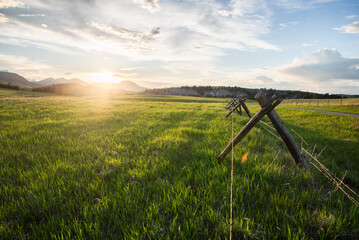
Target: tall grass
x: 345, y: 105
x: 144, y: 167
x: 323, y: 102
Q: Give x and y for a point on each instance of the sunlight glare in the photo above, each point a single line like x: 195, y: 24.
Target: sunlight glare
x: 105, y: 77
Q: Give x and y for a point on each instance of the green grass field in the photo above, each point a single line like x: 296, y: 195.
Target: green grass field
x: 144, y: 167
x: 345, y: 105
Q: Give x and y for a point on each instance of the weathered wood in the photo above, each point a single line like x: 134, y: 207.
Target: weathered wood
x: 239, y: 105
x: 239, y: 111
x: 241, y: 101
x: 283, y: 132
x: 252, y: 122
x: 231, y: 103
x: 233, y: 109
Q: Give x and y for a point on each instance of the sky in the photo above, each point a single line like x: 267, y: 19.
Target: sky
x: 308, y: 45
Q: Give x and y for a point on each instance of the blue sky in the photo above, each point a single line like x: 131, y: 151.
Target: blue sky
x: 309, y: 45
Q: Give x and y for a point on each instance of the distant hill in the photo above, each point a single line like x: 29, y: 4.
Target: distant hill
x: 209, y: 91
x: 121, y: 87
x: 76, y: 89
x: 16, y: 80
x: 52, y: 81
x: 79, y: 87
x: 73, y: 89
x: 130, y: 86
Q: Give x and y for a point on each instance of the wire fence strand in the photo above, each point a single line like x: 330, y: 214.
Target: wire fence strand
x: 231, y: 198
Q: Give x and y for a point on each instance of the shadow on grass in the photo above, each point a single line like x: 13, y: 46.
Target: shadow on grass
x: 336, y: 159
x: 161, y: 98
x: 180, y: 191
x: 166, y: 183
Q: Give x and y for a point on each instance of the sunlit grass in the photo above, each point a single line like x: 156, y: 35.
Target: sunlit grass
x: 323, y: 102
x: 345, y: 105
x: 144, y: 167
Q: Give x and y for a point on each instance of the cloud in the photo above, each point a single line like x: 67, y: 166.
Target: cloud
x: 351, y: 16
x: 260, y: 81
x: 300, y: 4
x: 307, y: 44
x: 263, y: 79
x: 351, y: 28
x: 178, y: 31
x: 324, y: 65
x: 11, y: 4
x: 37, y: 44
x: 68, y: 73
x: 151, y: 5
x: 131, y: 38
x: 32, y: 15
x: 224, y: 13
x: 288, y: 24
x: 3, y: 18
x: 22, y: 65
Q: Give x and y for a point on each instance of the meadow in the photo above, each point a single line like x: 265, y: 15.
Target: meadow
x: 345, y: 105
x: 145, y: 167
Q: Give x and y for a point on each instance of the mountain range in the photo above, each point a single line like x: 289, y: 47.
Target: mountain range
x: 14, y: 79
x: 124, y: 85
x: 75, y: 85
x: 51, y: 81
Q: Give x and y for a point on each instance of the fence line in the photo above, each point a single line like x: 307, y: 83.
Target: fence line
x: 339, y: 184
x: 322, y: 102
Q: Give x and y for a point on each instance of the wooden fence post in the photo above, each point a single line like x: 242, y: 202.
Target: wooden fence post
x: 241, y: 101
x: 282, y: 130
x: 238, y: 105
x: 271, y: 104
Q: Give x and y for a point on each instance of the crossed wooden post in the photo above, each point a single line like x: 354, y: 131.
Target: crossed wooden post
x: 267, y: 108
x: 231, y: 103
x: 236, y: 106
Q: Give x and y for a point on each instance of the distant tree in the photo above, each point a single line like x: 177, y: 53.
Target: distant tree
x: 8, y: 86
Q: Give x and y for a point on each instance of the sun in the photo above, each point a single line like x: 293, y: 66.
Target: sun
x: 105, y: 77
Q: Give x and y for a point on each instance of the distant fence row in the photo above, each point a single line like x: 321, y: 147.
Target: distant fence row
x: 322, y: 102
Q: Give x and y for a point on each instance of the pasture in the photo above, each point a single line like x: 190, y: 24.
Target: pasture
x: 345, y: 105
x: 144, y: 167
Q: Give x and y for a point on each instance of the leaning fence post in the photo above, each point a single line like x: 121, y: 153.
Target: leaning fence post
x: 241, y: 101
x: 271, y: 104
x: 282, y: 130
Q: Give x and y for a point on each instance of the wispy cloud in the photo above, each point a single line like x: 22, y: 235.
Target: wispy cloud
x: 37, y: 44
x: 351, y: 28
x: 11, y: 4
x: 224, y: 13
x: 131, y: 39
x: 151, y: 5
x: 22, y: 65
x: 307, y: 44
x: 288, y: 24
x: 351, y: 16
x: 3, y: 18
x: 175, y: 31
x: 32, y: 15
x: 300, y: 4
